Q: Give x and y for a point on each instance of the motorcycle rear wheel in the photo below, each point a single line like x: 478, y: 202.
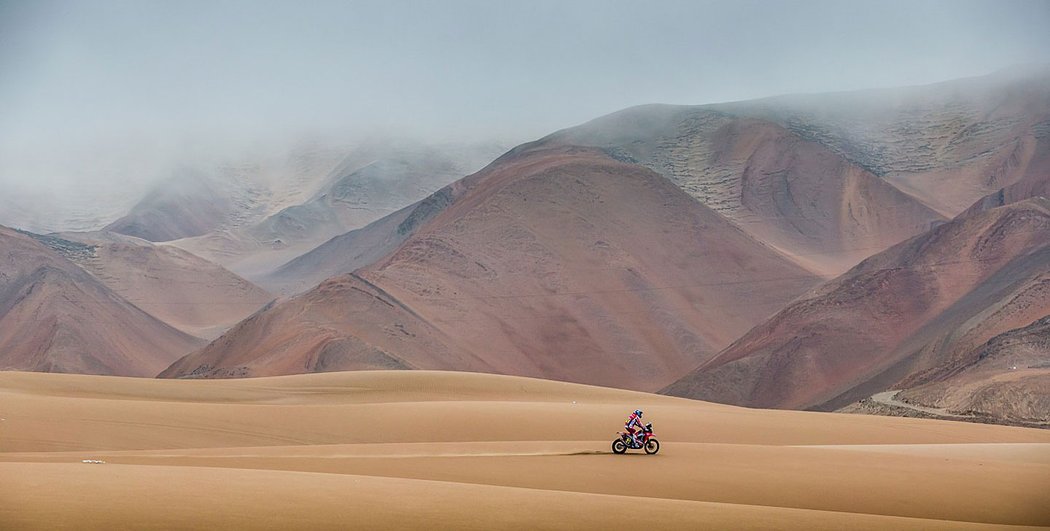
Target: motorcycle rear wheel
x: 618, y: 446
x: 652, y: 446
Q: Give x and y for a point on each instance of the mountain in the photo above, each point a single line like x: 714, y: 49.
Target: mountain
x: 1031, y: 185
x: 56, y: 317
x: 190, y: 203
x: 792, y: 193
x: 365, y: 190
x: 947, y: 144
x: 762, y: 165
x: 1007, y: 377
x: 553, y: 261
x: 187, y: 292
x: 351, y: 251
x: 833, y: 178
x: 371, y: 180
x: 899, y: 318
x: 60, y: 207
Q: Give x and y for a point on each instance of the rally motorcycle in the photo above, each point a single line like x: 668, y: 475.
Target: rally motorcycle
x: 645, y: 437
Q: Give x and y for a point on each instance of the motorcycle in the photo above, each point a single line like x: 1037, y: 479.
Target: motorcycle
x: 646, y: 441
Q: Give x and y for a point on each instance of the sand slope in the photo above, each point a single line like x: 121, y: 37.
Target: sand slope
x: 417, y: 449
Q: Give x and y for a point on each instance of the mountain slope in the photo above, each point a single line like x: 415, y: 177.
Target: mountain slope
x: 190, y: 203
x: 1007, y: 377
x: 372, y: 180
x: 834, y: 178
x: 895, y: 316
x: 347, y: 252
x: 790, y: 192
x: 55, y: 317
x: 185, y: 291
x: 947, y: 144
x: 1032, y: 184
x: 555, y: 262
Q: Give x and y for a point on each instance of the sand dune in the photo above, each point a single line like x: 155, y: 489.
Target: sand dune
x: 418, y: 449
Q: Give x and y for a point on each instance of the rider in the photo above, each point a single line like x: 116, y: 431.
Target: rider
x: 633, y: 425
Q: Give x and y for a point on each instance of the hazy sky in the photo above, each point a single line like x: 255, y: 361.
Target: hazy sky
x: 124, y: 80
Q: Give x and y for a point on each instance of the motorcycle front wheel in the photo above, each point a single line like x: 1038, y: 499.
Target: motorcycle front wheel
x: 652, y: 446
x: 618, y: 447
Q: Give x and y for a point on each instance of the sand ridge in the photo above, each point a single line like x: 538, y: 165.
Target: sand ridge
x: 459, y: 450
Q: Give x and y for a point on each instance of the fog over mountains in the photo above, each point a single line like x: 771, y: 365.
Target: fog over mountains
x: 791, y: 252
x: 411, y: 265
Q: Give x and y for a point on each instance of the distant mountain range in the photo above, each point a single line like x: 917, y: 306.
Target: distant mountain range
x: 802, y: 251
x: 559, y: 262
x: 253, y: 218
x: 918, y: 312
x: 57, y: 317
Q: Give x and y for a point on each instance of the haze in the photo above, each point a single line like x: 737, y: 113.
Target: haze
x: 97, y: 98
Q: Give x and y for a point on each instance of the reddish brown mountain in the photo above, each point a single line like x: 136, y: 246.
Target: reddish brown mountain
x: 190, y: 203
x: 55, y: 317
x: 947, y: 144
x: 1007, y: 377
x: 833, y: 178
x: 901, y: 316
x: 792, y: 193
x: 373, y: 179
x: 817, y: 177
x: 1033, y: 184
x: 349, y: 252
x: 557, y: 262
x: 185, y: 291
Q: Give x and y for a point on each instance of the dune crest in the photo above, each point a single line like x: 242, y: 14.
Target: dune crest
x: 477, y: 451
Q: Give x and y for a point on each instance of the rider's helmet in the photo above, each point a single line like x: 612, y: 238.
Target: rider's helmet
x: 638, y: 412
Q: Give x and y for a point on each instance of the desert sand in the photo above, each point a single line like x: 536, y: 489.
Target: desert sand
x: 443, y: 450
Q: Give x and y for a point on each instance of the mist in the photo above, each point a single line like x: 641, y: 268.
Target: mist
x: 100, y: 98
